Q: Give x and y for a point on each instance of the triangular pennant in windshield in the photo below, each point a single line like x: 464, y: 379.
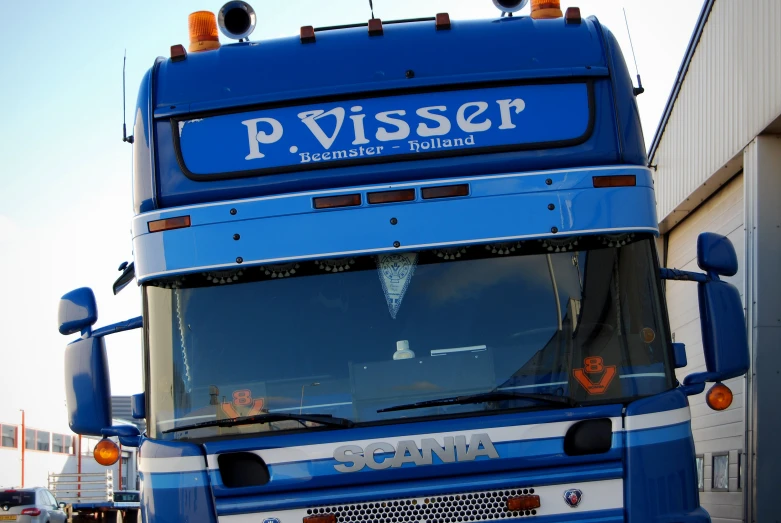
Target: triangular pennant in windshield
x: 395, y: 274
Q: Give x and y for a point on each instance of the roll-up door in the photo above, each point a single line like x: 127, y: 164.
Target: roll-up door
x: 718, y: 436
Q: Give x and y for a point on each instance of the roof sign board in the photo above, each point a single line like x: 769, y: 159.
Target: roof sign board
x: 389, y: 128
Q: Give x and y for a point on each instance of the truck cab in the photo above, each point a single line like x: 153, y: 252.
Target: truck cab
x: 390, y: 274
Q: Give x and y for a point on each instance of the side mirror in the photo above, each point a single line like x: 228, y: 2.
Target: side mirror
x: 724, y: 339
x: 62, y: 504
x: 78, y: 311
x: 716, y: 255
x: 87, y: 386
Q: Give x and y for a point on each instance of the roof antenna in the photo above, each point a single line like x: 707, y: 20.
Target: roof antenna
x: 125, y: 137
x: 639, y: 89
x: 371, y: 7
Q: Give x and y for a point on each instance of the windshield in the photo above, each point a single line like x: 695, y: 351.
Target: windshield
x: 578, y: 318
x: 16, y: 498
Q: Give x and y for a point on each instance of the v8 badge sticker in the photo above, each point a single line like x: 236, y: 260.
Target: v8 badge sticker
x: 594, y: 365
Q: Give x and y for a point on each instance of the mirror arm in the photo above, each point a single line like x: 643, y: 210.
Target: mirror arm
x: 128, y: 435
x: 693, y: 389
x: 128, y: 275
x: 701, y: 377
x: 127, y: 325
x: 677, y: 274
x: 695, y: 383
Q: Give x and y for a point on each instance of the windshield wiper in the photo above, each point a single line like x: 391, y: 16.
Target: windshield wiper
x: 324, y: 419
x: 494, y: 395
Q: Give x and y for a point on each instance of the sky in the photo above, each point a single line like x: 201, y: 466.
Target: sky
x: 65, y: 174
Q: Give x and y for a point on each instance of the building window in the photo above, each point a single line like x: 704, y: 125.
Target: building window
x: 57, y: 443
x: 720, y: 472
x: 37, y: 440
x: 62, y: 444
x: 88, y: 446
x: 8, y: 436
x: 700, y: 461
x: 740, y: 471
x: 42, y: 440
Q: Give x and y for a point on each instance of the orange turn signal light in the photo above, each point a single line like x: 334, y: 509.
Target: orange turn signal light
x: 169, y: 223
x: 546, y: 9
x: 719, y: 397
x: 203, y: 31
x: 525, y: 502
x: 321, y: 518
x: 622, y: 180
x: 106, y: 452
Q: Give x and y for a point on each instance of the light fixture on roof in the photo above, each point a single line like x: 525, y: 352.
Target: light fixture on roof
x: 510, y: 6
x: 237, y: 20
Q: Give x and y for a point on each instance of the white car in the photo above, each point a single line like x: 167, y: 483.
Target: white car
x: 30, y: 505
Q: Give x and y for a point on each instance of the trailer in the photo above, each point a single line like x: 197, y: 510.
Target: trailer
x: 91, y: 497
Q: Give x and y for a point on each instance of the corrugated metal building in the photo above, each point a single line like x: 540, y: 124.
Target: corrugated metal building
x: 717, y: 162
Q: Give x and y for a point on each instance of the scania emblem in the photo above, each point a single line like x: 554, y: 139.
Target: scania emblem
x: 573, y: 497
x: 382, y: 455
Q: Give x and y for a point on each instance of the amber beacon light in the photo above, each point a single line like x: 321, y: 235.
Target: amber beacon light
x: 719, y: 397
x: 546, y: 9
x: 106, y: 452
x: 203, y: 31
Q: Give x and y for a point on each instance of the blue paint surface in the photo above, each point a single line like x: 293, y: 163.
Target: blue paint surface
x: 87, y: 386
x: 417, y: 486
x: 563, y: 128
x: 383, y: 129
x: 77, y: 311
x: 498, y: 209
x: 661, y: 478
x: 174, y: 497
x: 546, y: 51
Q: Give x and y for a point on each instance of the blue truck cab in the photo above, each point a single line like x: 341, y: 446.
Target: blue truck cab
x: 404, y: 271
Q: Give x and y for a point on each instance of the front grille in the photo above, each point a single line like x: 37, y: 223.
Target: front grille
x: 472, y: 506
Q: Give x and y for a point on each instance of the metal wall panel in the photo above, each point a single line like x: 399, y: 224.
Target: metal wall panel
x: 714, y: 432
x: 763, y: 294
x: 729, y: 94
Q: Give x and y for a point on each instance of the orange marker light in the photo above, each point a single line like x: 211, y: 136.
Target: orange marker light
x: 719, y: 397
x: 542, y: 9
x: 403, y: 195
x: 321, y: 518
x: 168, y: 224
x: 203, y: 31
x: 444, y: 191
x: 621, y: 180
x: 343, y: 200
x: 524, y: 502
x: 106, y: 452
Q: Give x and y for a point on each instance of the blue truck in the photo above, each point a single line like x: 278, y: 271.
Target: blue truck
x: 403, y: 271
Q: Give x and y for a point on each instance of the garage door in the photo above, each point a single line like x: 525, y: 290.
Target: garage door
x: 718, y: 436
